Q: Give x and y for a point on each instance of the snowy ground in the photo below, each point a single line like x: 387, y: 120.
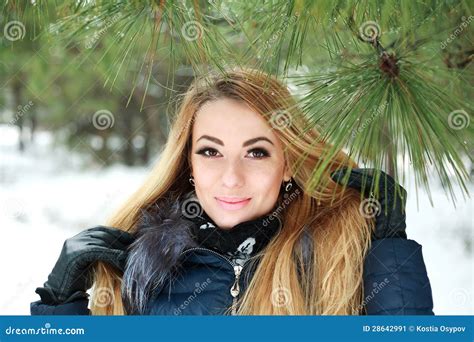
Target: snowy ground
x: 46, y: 196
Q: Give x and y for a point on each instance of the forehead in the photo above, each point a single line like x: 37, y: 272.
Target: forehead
x: 230, y: 119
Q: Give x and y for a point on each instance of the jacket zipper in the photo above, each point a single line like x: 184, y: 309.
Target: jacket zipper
x: 235, y: 289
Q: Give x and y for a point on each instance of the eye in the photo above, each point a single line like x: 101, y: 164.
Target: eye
x: 209, y: 152
x: 260, y: 152
x: 207, y: 149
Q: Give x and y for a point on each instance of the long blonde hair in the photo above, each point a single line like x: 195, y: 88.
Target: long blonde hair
x: 325, y: 215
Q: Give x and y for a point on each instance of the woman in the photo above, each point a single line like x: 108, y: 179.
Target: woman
x: 227, y: 224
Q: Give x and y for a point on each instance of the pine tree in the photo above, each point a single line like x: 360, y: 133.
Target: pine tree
x: 389, y: 81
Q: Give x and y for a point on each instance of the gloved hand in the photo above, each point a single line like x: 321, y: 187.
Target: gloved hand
x: 389, y: 214
x: 71, y: 276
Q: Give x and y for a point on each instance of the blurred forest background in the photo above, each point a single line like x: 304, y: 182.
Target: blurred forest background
x: 88, y: 90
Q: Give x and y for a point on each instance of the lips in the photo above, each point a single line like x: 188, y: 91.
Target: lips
x: 232, y: 199
x: 232, y: 203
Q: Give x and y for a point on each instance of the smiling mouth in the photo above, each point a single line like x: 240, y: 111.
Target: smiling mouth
x: 232, y: 203
x: 232, y: 200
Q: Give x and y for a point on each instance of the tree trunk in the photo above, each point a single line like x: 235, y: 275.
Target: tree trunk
x: 18, y: 117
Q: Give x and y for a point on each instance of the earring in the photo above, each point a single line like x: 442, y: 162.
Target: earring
x: 288, y: 186
x: 191, y: 180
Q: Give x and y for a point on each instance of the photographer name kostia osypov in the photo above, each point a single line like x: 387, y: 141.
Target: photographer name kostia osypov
x: 413, y: 328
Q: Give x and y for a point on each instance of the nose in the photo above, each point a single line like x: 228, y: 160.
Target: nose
x: 233, y: 175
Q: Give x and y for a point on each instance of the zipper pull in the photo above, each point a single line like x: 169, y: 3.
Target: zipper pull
x: 235, y: 289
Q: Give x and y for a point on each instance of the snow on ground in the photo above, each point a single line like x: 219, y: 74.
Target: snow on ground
x: 46, y: 196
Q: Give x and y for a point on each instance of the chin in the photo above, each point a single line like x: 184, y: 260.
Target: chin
x: 228, y: 224
x: 228, y: 219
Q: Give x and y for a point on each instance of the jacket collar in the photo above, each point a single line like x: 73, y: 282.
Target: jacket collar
x: 240, y: 242
x: 163, y: 233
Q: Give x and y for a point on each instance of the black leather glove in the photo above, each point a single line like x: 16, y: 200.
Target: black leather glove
x: 71, y: 276
x: 388, y: 208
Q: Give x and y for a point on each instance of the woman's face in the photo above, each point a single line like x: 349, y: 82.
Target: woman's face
x: 237, y: 158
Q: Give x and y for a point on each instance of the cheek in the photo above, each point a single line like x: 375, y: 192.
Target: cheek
x: 262, y: 178
x: 267, y: 184
x: 263, y: 175
x: 205, y: 174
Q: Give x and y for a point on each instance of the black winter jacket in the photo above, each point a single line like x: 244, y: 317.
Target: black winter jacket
x: 199, y: 281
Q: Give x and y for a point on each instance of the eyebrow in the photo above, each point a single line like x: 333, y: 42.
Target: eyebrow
x: 247, y: 143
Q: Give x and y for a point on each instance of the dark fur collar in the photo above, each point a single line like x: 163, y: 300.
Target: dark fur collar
x: 162, y: 234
